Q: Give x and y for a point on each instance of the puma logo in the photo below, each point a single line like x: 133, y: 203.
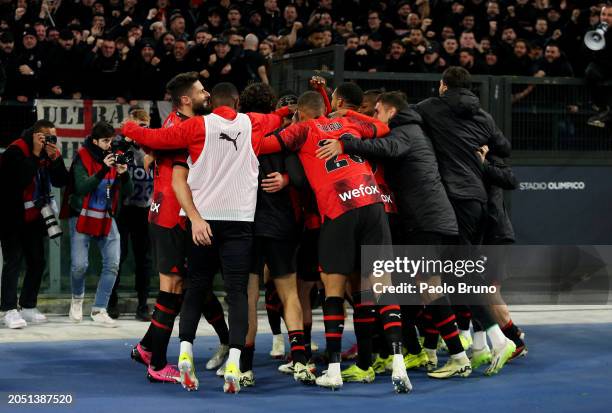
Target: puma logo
x: 225, y: 137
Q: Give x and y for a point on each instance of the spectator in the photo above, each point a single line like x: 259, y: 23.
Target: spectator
x: 215, y: 21
x: 255, y: 63
x: 30, y: 68
x: 290, y: 16
x: 554, y: 63
x: 271, y: 19
x: 600, y: 70
x: 492, y: 63
x: 177, y: 27
x: 9, y: 65
x: 467, y: 60
x: 198, y: 54
x: 433, y: 62
x: 64, y: 76
x: 468, y: 40
x: 175, y: 63
x: 450, y: 54
x: 375, y: 25
x: 540, y: 36
x: 103, y: 63
x: 234, y: 18
x: 400, y: 61
x: 520, y: 63
x: 166, y: 45
x: 145, y: 74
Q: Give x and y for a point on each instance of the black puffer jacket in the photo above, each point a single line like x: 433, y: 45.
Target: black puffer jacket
x: 412, y: 173
x: 498, y: 177
x: 458, y: 126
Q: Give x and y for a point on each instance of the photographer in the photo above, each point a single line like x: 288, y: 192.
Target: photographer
x: 29, y: 167
x: 133, y: 223
x: 598, y: 71
x: 99, y: 182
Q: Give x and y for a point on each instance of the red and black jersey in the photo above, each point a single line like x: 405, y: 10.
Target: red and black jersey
x: 386, y: 192
x: 165, y: 208
x: 344, y: 182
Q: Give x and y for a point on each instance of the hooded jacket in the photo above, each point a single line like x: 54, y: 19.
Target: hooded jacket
x: 411, y: 170
x: 457, y: 127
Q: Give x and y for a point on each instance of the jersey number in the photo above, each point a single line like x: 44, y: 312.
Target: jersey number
x: 334, y: 163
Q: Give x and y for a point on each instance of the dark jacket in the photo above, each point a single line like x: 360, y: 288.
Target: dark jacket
x: 17, y: 171
x: 83, y: 183
x: 412, y: 173
x: 498, y: 177
x: 458, y: 126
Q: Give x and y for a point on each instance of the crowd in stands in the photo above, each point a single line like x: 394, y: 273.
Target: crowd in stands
x: 128, y: 49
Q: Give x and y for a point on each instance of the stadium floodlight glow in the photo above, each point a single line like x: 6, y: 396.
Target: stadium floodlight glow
x: 595, y: 39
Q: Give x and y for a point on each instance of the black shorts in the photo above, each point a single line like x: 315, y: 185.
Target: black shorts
x: 308, y: 256
x: 341, y: 239
x: 277, y: 254
x: 169, y: 248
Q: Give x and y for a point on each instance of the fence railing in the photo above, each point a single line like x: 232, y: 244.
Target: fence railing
x: 545, y: 118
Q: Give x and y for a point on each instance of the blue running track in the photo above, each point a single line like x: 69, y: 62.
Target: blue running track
x: 568, y: 369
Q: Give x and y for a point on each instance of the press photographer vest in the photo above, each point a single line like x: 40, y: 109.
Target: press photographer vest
x: 95, y: 218
x: 31, y: 192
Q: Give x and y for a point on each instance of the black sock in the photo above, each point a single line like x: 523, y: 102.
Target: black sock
x: 409, y: 331
x: 213, y: 313
x: 246, y: 357
x: 513, y: 333
x: 463, y: 314
x: 162, y: 321
x: 444, y: 322
x: 379, y: 344
x: 333, y: 317
x: 274, y: 308
x: 431, y: 333
x: 364, y: 320
x: 145, y: 342
x: 307, y: 340
x: 298, y: 350
x: 391, y: 318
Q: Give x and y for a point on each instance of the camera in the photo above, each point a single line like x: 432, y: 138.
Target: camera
x: 52, y: 139
x: 124, y: 158
x: 50, y: 220
x: 121, y: 149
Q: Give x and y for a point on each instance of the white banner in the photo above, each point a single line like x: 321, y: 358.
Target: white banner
x: 74, y: 119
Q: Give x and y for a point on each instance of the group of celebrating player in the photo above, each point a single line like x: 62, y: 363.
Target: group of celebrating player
x: 279, y: 189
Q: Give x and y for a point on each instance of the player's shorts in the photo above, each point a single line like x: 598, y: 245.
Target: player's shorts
x: 341, y: 238
x: 278, y: 254
x: 308, y: 256
x: 169, y: 248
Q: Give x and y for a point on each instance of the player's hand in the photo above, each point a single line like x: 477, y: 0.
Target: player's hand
x: 482, y: 152
x: 201, y: 232
x: 329, y: 149
x: 274, y: 182
x: 338, y: 114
